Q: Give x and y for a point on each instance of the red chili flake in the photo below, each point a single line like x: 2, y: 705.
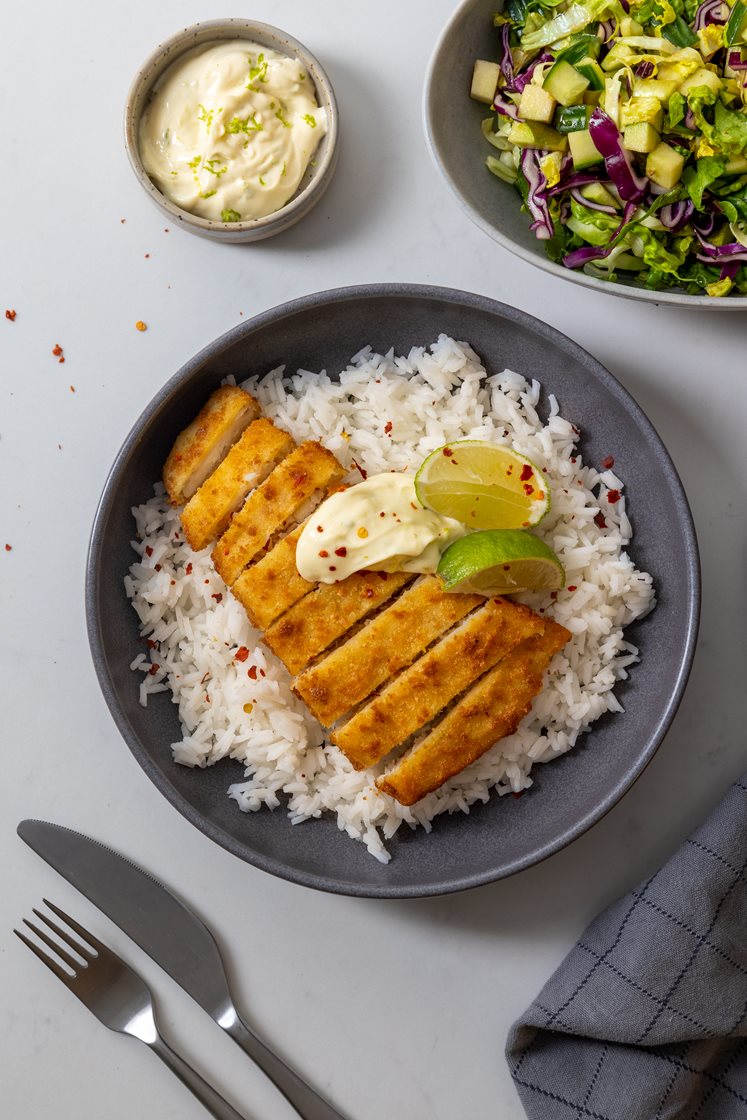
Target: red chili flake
x: 154, y: 668
x: 157, y: 567
x: 608, y: 463
x: 56, y: 349
x: 332, y: 568
x: 510, y: 471
x: 323, y: 553
x: 447, y: 451
x: 72, y: 387
x: 9, y: 548
x: 252, y: 672
x: 613, y: 497
x: 148, y: 550
x: 147, y: 255
x: 341, y: 551
x: 122, y: 221
x: 361, y: 472
x: 525, y: 524
x: 528, y: 490
x: 572, y: 587
x: 206, y: 581
x: 507, y: 567
x: 382, y: 514
x: 262, y: 673
x: 519, y: 794
x: 10, y: 314
x: 167, y: 231
x: 141, y: 326
x: 152, y: 644
x: 368, y: 593
x: 188, y: 568
x: 387, y: 427
x: 218, y: 596
x: 241, y: 654
x: 205, y: 677
x: 553, y: 594
x: 541, y: 496
x: 599, y: 520
x: 526, y: 472
x: 173, y: 583
x: 544, y: 470
x: 573, y: 459
x: 320, y: 528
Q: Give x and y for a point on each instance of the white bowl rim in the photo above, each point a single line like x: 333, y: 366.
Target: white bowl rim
x: 626, y: 291
x: 131, y: 125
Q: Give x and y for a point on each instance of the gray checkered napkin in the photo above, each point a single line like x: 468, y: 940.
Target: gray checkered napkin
x: 646, y: 1018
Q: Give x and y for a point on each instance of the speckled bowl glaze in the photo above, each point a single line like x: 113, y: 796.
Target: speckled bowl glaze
x: 323, y: 331
x: 452, y: 125
x: 316, y: 179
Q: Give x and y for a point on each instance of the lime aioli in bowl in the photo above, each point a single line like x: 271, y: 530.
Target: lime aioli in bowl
x: 378, y: 525
x: 230, y: 130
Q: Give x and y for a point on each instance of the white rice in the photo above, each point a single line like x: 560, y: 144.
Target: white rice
x: 245, y: 709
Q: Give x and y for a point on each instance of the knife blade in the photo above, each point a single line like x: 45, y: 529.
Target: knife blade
x: 172, y: 934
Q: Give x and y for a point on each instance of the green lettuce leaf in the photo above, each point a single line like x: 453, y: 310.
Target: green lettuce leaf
x: 575, y: 18
x: 677, y: 107
x: 697, y: 179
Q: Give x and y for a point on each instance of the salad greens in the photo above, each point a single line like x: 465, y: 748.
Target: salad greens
x: 622, y: 124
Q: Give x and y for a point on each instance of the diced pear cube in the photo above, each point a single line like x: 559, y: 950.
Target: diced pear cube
x: 536, y: 104
x: 485, y: 81
x: 646, y: 109
x: 664, y: 166
x: 701, y: 77
x: 640, y: 137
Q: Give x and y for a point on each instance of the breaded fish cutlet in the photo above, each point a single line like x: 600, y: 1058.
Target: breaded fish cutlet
x: 420, y: 692
x: 490, y: 710
x: 198, y: 450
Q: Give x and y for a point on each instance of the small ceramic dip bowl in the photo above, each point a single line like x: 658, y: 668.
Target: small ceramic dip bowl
x: 318, y: 174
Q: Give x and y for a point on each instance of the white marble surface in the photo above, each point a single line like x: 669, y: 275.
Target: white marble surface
x: 397, y: 1009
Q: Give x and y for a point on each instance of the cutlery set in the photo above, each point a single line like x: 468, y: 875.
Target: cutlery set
x: 172, y: 935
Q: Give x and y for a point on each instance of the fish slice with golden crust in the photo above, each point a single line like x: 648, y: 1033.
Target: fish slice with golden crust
x: 386, y: 644
x: 492, y: 709
x: 273, y: 584
x: 318, y: 620
x: 424, y: 689
x: 248, y: 463
x: 198, y: 450
x: 305, y: 473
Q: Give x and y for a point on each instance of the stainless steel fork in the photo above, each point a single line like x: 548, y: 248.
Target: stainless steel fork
x: 117, y: 996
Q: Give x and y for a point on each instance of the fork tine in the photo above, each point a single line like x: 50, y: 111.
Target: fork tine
x: 52, y: 965
x: 100, y: 948
x: 60, y: 952
x: 76, y: 946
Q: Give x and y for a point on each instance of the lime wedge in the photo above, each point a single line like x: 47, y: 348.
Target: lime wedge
x: 483, y: 485
x: 500, y: 562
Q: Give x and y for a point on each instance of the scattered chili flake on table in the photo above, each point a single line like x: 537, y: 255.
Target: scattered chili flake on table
x: 613, y: 497
x: 166, y: 230
x: 122, y: 221
x: 58, y: 353
x: 141, y: 326
x: 599, y: 520
x: 9, y: 548
x: 11, y: 314
x: 72, y: 387
x: 241, y: 654
x: 608, y: 463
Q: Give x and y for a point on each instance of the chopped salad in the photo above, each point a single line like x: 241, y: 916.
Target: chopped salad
x: 623, y: 126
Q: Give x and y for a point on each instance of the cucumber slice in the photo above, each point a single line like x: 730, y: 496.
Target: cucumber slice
x: 532, y: 134
x: 572, y: 118
x: 590, y: 68
x: 595, y: 192
x: 584, y: 151
x: 565, y: 83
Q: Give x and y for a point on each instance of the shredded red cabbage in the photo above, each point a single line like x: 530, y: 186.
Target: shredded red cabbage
x: 537, y: 196
x: 631, y: 186
x: 676, y: 215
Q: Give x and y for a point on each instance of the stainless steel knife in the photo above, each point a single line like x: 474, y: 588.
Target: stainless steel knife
x: 170, y: 933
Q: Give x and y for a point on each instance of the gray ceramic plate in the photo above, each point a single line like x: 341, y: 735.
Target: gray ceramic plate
x: 452, y: 124
x: 569, y: 795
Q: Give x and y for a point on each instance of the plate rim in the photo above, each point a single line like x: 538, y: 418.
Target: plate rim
x: 159, y: 778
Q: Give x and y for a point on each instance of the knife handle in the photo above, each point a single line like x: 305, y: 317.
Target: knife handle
x: 216, y: 1105
x: 306, y: 1101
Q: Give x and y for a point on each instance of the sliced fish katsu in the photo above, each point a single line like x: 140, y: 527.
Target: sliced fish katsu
x: 420, y: 692
x: 306, y: 472
x: 273, y: 584
x: 318, y: 620
x: 199, y: 449
x: 492, y: 708
x: 386, y: 644
x: 248, y: 463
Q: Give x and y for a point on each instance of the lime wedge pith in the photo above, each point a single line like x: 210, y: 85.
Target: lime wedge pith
x: 483, y: 485
x: 500, y: 562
